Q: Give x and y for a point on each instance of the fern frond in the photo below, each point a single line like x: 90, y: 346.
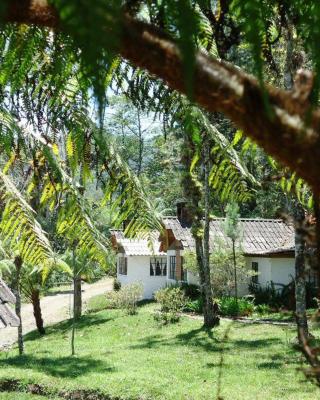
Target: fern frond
x: 20, y: 230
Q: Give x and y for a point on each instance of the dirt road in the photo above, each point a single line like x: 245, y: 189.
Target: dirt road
x: 55, y: 308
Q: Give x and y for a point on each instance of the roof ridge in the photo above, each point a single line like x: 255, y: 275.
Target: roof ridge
x: 241, y: 219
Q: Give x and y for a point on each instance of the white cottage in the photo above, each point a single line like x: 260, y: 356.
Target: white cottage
x: 137, y: 261
x: 268, y: 246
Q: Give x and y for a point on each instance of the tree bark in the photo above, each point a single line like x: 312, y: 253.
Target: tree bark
x: 35, y: 298
x: 18, y: 265
x: 140, y: 138
x: 211, y: 318
x: 300, y: 280
x: 194, y: 195
x: 77, y: 297
x: 218, y: 86
x: 235, y: 269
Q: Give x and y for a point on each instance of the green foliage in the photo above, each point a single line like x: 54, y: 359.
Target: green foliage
x: 190, y: 290
x: 19, y: 228
x: 228, y: 177
x: 172, y: 301
x: 266, y: 295
x: 194, y: 306
x: 116, y: 285
x: 262, y: 309
x: 231, y: 222
x: 222, y: 267
x: 126, y: 298
x: 232, y: 307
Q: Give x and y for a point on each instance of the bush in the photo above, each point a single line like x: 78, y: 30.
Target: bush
x: 191, y: 291
x: 172, y: 301
x: 126, y: 298
x: 116, y: 285
x: 232, y: 307
x: 195, y: 306
x: 282, y: 297
x: 267, y: 295
x: 262, y: 309
x: 97, y: 303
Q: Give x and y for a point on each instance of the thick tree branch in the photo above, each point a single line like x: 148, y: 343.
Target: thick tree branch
x: 280, y: 128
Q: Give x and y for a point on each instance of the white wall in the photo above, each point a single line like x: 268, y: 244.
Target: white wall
x: 282, y: 270
x: 139, y: 271
x: 278, y: 270
x: 264, y: 269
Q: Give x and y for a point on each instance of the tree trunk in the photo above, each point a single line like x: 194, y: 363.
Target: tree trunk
x: 211, y: 318
x: 77, y: 297
x: 300, y: 281
x: 235, y: 270
x: 18, y: 265
x: 35, y: 298
x: 193, y: 195
x: 140, y: 137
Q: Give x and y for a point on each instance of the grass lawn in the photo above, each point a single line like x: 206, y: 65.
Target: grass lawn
x: 133, y: 357
x: 21, y: 396
x: 284, y: 316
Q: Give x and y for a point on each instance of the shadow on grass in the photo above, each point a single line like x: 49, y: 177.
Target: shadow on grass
x: 204, y: 338
x: 63, y: 367
x: 270, y: 365
x: 255, y: 343
x: 86, y: 321
x: 201, y: 337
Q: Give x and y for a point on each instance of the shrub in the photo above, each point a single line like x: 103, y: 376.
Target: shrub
x: 232, y: 307
x: 266, y: 295
x: 262, y: 309
x: 195, y: 306
x: 172, y: 301
x: 116, y: 285
x: 126, y: 298
x: 97, y: 303
x: 191, y: 291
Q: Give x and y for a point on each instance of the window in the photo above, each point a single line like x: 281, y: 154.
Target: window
x: 172, y: 271
x: 158, y: 266
x: 255, y: 269
x: 123, y: 266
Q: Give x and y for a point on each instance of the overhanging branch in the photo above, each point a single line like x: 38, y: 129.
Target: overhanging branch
x: 218, y: 86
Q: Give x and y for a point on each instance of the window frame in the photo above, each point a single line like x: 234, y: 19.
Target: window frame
x: 173, y: 267
x: 163, y: 266
x: 123, y: 266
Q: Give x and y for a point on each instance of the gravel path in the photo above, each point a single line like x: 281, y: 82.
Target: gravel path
x: 55, y: 308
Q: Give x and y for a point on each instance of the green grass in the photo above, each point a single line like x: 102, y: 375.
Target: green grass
x: 22, y: 396
x: 283, y: 316
x: 134, y: 357
x: 97, y: 303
